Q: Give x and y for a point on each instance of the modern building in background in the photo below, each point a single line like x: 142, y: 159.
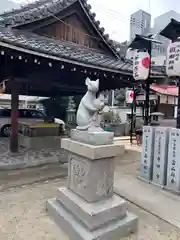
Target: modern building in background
x: 159, y: 23
x: 140, y: 23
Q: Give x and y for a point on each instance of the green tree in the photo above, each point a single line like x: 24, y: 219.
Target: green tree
x: 120, y: 97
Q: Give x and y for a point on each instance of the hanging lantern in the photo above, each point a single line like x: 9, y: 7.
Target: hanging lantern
x: 129, y: 96
x: 173, y: 59
x: 141, y: 65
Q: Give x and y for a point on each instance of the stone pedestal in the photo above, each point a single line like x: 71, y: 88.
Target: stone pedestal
x: 161, y: 141
x: 88, y: 209
x: 173, y: 170
x: 93, y: 138
x: 146, y: 167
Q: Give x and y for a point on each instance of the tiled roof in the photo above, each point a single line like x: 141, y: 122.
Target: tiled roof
x: 40, y: 10
x: 61, y: 49
x: 32, y: 11
x: 64, y: 49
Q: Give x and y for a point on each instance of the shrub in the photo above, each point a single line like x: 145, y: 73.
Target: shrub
x: 111, y: 117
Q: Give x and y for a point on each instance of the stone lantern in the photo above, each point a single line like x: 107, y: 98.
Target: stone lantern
x: 71, y: 111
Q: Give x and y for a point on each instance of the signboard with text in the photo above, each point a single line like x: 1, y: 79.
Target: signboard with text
x: 173, y: 170
x: 146, y: 167
x: 161, y: 140
x: 173, y: 60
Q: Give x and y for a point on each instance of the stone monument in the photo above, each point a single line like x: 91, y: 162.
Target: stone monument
x: 71, y: 111
x: 146, y: 166
x: 88, y: 208
x: 173, y: 169
x: 161, y: 141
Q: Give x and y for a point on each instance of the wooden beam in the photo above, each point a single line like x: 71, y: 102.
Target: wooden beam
x: 14, y: 117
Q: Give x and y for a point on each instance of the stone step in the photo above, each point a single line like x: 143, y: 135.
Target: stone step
x: 93, y: 215
x: 15, y: 178
x: 76, y: 230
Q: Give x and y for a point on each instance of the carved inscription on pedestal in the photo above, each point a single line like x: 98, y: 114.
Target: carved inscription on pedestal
x: 78, y: 172
x: 92, y: 180
x: 106, y: 182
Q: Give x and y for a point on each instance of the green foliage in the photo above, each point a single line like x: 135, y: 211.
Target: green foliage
x: 56, y: 107
x: 120, y: 97
x: 111, y: 117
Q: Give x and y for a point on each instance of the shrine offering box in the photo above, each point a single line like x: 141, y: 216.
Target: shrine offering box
x: 38, y: 129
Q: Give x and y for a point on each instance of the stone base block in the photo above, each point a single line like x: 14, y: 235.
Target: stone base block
x: 93, y: 138
x: 91, y: 169
x: 92, y: 180
x: 77, y: 230
x: 39, y: 143
x: 93, y: 215
x: 92, y: 152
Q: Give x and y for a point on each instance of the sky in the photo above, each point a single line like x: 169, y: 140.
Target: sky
x: 114, y: 15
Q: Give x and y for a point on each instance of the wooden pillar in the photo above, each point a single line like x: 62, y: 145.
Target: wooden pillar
x: 146, y: 103
x: 14, y: 117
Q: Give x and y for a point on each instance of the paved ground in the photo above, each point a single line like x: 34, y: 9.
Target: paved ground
x: 147, y: 196
x: 23, y: 215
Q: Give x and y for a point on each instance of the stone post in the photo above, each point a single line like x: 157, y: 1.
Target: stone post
x: 161, y: 141
x: 88, y: 208
x: 173, y: 169
x: 146, y: 165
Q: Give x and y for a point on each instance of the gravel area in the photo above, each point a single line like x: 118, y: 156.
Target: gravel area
x: 23, y: 216
x: 28, y: 157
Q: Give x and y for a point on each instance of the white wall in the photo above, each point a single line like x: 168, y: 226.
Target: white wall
x: 159, y: 60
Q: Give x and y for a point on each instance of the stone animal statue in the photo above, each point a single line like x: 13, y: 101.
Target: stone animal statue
x: 90, y: 108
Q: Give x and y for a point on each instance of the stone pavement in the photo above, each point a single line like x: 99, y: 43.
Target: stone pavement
x: 151, y: 198
x: 23, y: 216
x: 158, y: 202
